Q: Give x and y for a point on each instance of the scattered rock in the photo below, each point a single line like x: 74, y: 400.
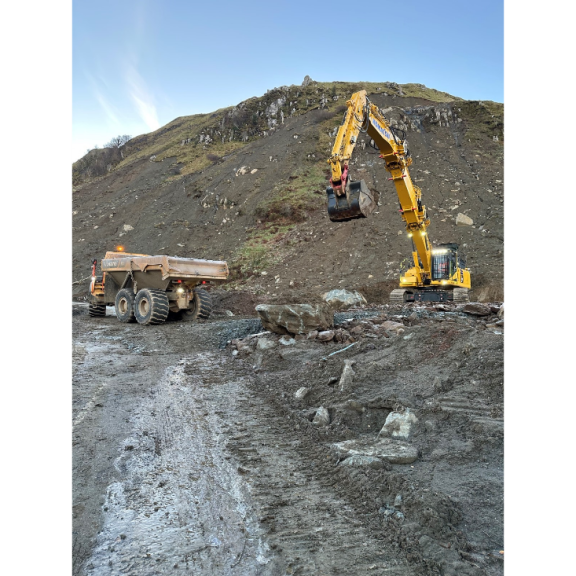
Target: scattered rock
x: 265, y: 344
x: 340, y: 299
x: 286, y: 341
x: 347, y: 376
x: 360, y: 461
x: 243, y: 170
x: 463, y: 220
x: 392, y: 451
x: 398, y: 501
x: 477, y: 309
x: 322, y: 417
x: 295, y: 318
x: 390, y: 326
x: 399, y: 424
x: 127, y: 227
x: 301, y: 393
x: 325, y: 336
x: 312, y: 334
x: 253, y: 171
x: 332, y: 380
x: 501, y: 311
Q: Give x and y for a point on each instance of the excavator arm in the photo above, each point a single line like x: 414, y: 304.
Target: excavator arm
x: 438, y: 274
x: 343, y: 195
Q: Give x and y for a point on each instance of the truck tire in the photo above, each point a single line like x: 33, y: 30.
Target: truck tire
x: 151, y: 306
x: 124, y: 305
x: 97, y: 310
x: 201, y: 307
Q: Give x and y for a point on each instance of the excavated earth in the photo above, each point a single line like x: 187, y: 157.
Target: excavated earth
x: 194, y: 455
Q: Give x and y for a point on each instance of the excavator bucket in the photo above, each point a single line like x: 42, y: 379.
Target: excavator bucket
x: 358, y: 202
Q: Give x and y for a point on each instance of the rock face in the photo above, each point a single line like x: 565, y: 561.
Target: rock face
x: 341, y: 299
x: 295, y: 318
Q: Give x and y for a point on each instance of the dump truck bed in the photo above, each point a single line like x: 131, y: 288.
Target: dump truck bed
x: 118, y: 264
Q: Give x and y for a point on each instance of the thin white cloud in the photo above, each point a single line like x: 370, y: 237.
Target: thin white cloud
x: 109, y: 111
x: 143, y: 98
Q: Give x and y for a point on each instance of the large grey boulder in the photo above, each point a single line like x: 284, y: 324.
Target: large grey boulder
x: 392, y: 451
x: 341, y: 299
x: 295, y: 318
x: 477, y: 309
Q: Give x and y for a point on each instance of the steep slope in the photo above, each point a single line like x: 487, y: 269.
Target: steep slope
x: 246, y: 184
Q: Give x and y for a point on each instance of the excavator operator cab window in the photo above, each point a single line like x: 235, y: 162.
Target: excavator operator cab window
x: 443, y: 263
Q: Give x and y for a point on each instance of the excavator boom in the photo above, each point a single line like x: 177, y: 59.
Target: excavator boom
x: 349, y: 199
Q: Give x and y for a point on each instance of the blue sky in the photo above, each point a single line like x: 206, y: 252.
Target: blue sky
x: 139, y: 64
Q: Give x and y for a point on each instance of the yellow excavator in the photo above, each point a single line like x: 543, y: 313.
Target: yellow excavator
x: 439, y: 273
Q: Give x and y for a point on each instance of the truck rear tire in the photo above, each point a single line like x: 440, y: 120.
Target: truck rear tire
x: 151, y: 306
x: 97, y: 310
x: 201, y: 307
x: 124, y: 305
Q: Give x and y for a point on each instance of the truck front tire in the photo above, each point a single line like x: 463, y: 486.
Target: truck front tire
x: 124, y: 305
x: 151, y: 306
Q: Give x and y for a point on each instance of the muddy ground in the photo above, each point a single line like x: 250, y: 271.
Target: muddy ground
x: 191, y: 457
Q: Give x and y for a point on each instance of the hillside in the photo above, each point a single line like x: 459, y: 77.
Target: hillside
x: 246, y: 184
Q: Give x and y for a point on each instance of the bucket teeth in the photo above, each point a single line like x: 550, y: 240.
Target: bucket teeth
x: 358, y: 202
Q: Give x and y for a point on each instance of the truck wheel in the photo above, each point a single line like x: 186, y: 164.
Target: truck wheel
x: 151, y: 306
x: 201, y: 307
x: 124, y: 305
x: 97, y: 310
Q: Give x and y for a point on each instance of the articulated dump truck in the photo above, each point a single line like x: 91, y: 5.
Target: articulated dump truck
x: 145, y: 289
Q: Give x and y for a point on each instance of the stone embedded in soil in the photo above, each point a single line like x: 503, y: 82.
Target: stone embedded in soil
x: 392, y: 451
x: 361, y: 461
x: 399, y: 424
x: 312, y: 334
x: 295, y: 318
x: 301, y: 393
x: 265, y: 344
x: 347, y: 376
x: 463, y: 220
x: 477, y: 309
x: 395, y: 327
x: 322, y: 417
x: 325, y: 335
x: 286, y: 341
x: 501, y: 311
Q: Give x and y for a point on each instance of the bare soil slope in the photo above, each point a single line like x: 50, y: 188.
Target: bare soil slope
x: 261, y: 206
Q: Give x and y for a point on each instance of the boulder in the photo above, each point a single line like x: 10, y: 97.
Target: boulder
x: 392, y: 451
x: 265, y: 344
x: 463, y: 220
x: 325, y: 336
x: 295, y: 318
x: 358, y: 461
x: 390, y: 326
x: 301, y: 393
x: 399, y: 424
x: 341, y: 299
x: 477, y: 309
x: 322, y: 417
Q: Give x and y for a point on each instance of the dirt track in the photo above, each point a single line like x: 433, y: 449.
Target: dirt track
x: 190, y: 460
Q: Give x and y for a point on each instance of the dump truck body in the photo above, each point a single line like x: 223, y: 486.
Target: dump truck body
x: 144, y: 288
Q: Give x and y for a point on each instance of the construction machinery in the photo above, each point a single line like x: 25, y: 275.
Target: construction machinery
x: 145, y: 289
x: 439, y: 272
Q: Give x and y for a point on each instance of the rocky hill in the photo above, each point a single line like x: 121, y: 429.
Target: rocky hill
x: 247, y: 184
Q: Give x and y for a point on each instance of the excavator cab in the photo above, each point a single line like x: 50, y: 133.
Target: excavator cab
x: 357, y: 201
x: 446, y: 260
